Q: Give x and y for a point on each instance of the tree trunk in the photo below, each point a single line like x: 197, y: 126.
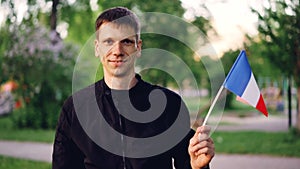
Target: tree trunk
x: 53, y: 16
x: 54, y: 35
x: 298, y: 109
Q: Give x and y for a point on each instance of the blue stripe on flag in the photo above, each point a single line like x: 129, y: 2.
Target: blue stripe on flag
x: 239, y: 75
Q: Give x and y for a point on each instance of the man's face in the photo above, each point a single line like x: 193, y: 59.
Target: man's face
x: 118, y: 48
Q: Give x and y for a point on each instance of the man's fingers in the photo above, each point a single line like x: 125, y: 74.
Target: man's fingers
x: 204, y: 129
x: 201, y: 133
x: 201, y: 147
x: 203, y: 137
x: 201, y: 143
x: 204, y: 148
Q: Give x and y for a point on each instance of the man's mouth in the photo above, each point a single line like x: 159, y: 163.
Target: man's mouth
x: 116, y: 62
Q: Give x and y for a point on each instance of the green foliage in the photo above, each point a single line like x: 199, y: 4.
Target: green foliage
x: 279, y: 28
x: 175, y: 47
x: 80, y: 19
x: 166, y: 6
x: 4, y: 45
x: 261, y: 64
x: 42, y: 66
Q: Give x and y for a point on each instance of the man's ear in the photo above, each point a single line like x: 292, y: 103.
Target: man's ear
x: 139, y: 48
x: 96, y: 45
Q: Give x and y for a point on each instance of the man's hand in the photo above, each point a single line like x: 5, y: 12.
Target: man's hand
x: 201, y: 148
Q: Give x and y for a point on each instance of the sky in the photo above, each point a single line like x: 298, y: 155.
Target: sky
x: 231, y: 19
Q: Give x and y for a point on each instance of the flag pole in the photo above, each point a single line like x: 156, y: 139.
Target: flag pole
x: 213, y: 105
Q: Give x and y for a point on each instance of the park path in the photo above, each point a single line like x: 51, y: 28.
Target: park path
x: 27, y: 150
x: 255, y: 123
x: 43, y: 151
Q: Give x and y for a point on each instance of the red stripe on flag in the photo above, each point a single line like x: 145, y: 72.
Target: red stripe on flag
x: 261, y: 106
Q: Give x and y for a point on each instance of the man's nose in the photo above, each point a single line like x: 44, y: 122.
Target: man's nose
x: 118, y: 49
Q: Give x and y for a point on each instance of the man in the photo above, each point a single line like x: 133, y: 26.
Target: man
x: 106, y: 125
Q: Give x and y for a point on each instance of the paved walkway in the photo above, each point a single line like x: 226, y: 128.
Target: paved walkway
x: 254, y: 123
x: 43, y: 152
x: 27, y: 150
x: 237, y: 161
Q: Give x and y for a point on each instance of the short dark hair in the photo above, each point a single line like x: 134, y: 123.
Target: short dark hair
x: 120, y: 16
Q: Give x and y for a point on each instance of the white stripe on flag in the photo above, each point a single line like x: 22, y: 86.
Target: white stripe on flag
x: 251, y: 93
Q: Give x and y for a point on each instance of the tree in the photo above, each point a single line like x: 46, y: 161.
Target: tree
x: 279, y: 31
x: 42, y: 71
x: 40, y: 62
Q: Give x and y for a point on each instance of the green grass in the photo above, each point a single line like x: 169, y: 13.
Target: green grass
x: 14, y: 163
x: 46, y: 136
x: 250, y: 142
x: 9, y: 132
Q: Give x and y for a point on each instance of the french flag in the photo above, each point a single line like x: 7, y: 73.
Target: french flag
x: 240, y: 81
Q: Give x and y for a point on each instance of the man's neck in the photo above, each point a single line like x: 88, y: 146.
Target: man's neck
x: 120, y: 83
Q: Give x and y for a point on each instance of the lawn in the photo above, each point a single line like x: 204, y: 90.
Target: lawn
x: 9, y: 132
x: 249, y: 142
x: 13, y: 163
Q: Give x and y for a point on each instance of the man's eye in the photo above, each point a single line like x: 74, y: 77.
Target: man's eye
x: 108, y: 42
x: 127, y: 42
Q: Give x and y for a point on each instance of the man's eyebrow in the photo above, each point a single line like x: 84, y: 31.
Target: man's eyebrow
x: 130, y: 37
x: 107, y: 38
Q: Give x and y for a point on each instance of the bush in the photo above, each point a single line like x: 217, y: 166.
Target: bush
x: 42, y: 66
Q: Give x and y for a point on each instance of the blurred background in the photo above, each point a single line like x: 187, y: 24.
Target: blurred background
x: 41, y: 39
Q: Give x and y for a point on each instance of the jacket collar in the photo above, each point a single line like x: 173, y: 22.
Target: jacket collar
x: 103, y: 88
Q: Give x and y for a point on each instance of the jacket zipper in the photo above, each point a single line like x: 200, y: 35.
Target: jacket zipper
x: 122, y: 142
x: 122, y: 136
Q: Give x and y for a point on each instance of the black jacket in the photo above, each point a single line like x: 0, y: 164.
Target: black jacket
x: 100, y: 128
